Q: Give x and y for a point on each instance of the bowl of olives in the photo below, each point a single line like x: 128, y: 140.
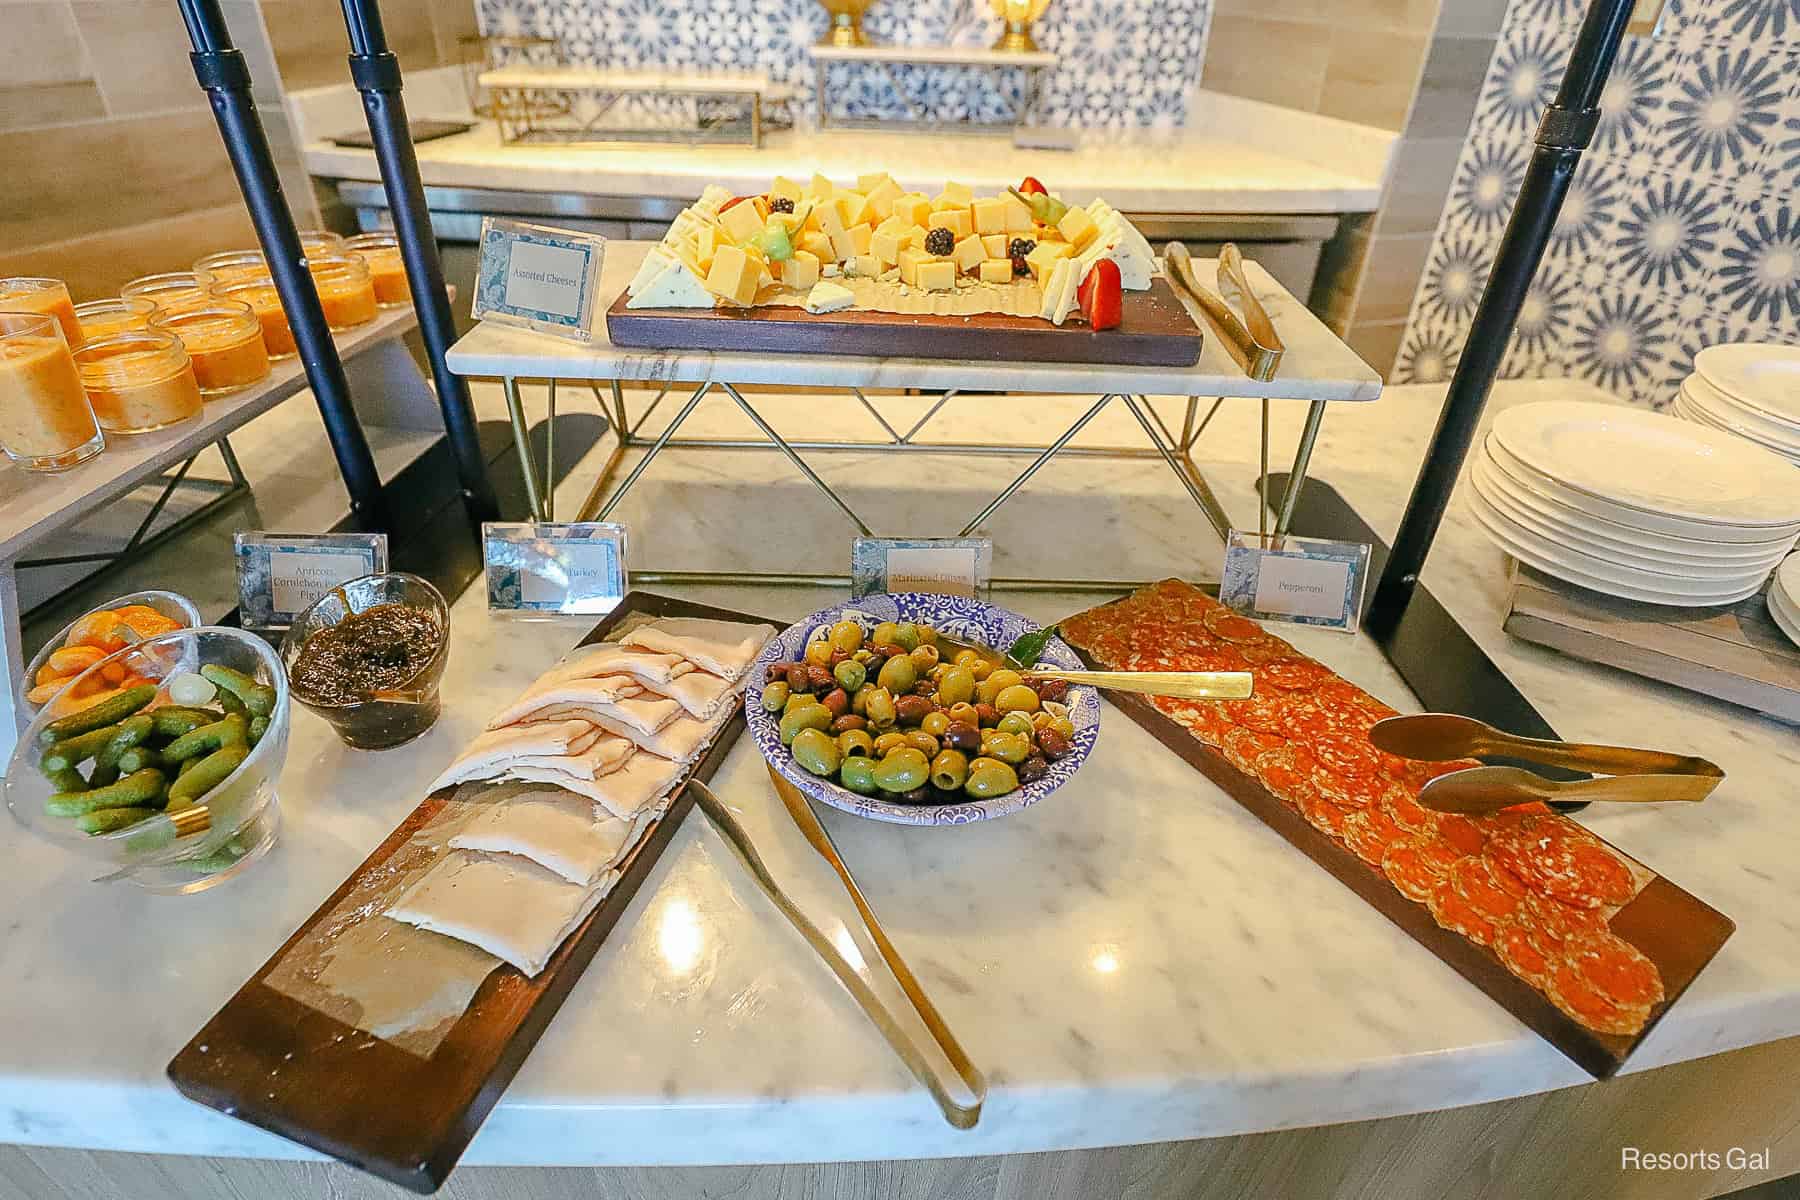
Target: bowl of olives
x: 880, y: 707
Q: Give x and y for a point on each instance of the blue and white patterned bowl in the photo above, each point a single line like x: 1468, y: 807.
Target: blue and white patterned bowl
x: 966, y: 620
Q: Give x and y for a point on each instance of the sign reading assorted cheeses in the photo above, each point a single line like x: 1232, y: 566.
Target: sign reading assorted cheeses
x: 539, y: 277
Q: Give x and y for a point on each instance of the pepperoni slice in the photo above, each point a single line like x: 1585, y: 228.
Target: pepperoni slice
x: 1521, y: 957
x: 1292, y: 673
x: 1562, y: 860
x: 1241, y: 747
x: 1302, y: 719
x: 1333, y: 787
x: 1369, y: 832
x: 1509, y: 883
x: 1261, y: 712
x: 1323, y: 815
x: 1616, y: 968
x: 1286, y: 771
x: 1460, y: 833
x: 1475, y: 884
x: 1407, y: 867
x: 1269, y: 649
x: 1570, y: 991
x: 1231, y: 627
x: 1439, y: 857
x: 1346, y: 754
x: 1552, y: 924
x: 1400, y: 804
x: 1450, y: 910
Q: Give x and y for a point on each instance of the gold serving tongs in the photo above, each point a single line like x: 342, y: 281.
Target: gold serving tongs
x: 1252, y: 341
x: 959, y: 1113
x: 1626, y: 775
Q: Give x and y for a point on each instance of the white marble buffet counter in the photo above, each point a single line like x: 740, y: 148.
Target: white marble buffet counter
x: 1235, y: 156
x: 1136, y: 959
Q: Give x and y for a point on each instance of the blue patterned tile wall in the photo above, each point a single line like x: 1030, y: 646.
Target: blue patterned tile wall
x: 1680, y: 229
x: 1124, y: 63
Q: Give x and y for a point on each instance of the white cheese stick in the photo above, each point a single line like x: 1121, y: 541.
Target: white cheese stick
x: 491, y: 751
x: 505, y: 904
x: 726, y: 648
x: 567, y: 833
x: 603, y: 690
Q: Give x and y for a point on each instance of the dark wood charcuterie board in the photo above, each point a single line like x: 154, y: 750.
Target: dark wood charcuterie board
x: 1155, y: 331
x: 1676, y: 931
x: 288, y: 1067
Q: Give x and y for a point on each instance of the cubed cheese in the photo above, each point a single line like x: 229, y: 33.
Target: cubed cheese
x: 801, y: 271
x: 968, y: 254
x: 786, y: 188
x: 831, y: 221
x: 910, y: 258
x: 915, y: 237
x: 706, y: 245
x: 954, y: 195
x: 989, y: 215
x: 734, y: 276
x: 820, y: 188
x: 1018, y: 214
x: 886, y: 246
x: 881, y: 198
x: 1046, y: 256
x: 956, y: 220
x: 818, y: 245
x: 826, y: 296
x: 853, y: 207
x: 1077, y: 228
x: 741, y: 222
x: 893, y: 225
x: 866, y: 265
x: 996, y: 270
x: 995, y: 244
x: 912, y: 207
x: 787, y: 220
x: 868, y: 183
x: 843, y: 244
x: 937, y: 275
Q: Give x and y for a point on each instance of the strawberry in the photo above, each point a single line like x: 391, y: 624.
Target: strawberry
x: 732, y: 201
x: 1031, y: 186
x: 1100, y: 295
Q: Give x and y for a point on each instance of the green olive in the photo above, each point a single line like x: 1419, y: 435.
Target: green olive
x: 846, y: 636
x: 1015, y: 722
x: 879, y: 708
x: 858, y: 774
x: 887, y: 743
x: 1063, y: 726
x: 950, y: 770
x: 807, y: 716
x: 815, y: 751
x: 981, y: 668
x: 884, y: 634
x: 850, y: 675
x: 966, y: 657
x: 798, y: 700
x: 956, y: 687
x: 1017, y: 698
x: 996, y: 682
x: 818, y: 654
x: 903, y: 770
x: 775, y: 696
x: 924, y: 659
x: 923, y: 742
x: 859, y: 699
x: 898, y: 675
x: 935, y: 723
x: 1007, y: 747
x: 964, y: 714
x: 906, y: 636
x: 853, y: 742
x: 989, y: 777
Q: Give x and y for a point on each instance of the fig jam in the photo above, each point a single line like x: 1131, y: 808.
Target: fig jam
x: 341, y: 668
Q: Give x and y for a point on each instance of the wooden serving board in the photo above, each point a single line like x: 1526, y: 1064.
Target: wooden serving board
x: 1734, y: 653
x: 1676, y: 930
x: 1155, y: 331
x: 282, y: 1065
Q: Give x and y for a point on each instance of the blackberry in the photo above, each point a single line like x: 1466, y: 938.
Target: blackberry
x: 1020, y: 247
x: 940, y: 242
x: 781, y: 204
x: 1020, y: 266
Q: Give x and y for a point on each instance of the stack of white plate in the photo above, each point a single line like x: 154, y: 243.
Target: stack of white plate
x: 1635, y: 503
x: 1747, y: 389
x: 1784, y: 598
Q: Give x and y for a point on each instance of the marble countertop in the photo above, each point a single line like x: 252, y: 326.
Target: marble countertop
x: 1233, y: 157
x: 1136, y: 959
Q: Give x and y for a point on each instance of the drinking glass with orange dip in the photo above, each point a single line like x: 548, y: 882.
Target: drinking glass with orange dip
x: 46, y: 421
x: 103, y: 318
x: 224, y: 341
x: 47, y: 296
x: 169, y: 291
x: 260, y: 294
x: 382, y: 252
x: 139, y: 381
x: 346, y: 290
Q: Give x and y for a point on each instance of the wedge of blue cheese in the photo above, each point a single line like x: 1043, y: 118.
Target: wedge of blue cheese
x: 664, y: 280
x: 827, y: 296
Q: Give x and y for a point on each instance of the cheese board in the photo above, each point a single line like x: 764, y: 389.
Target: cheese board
x: 402, y: 1099
x: 1584, y: 945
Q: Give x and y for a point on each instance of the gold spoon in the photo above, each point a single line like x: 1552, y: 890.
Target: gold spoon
x: 1482, y: 790
x: 1189, y: 685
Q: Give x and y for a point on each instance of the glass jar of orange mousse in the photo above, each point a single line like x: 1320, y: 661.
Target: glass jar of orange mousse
x: 46, y: 422
x: 265, y: 302
x: 382, y: 252
x: 224, y: 341
x: 139, y: 381
x: 169, y: 291
x: 47, y: 296
x: 103, y: 318
x: 346, y: 290
x: 231, y: 266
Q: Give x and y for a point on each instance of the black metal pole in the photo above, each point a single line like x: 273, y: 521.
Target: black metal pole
x: 376, y: 73
x: 221, y: 72
x: 1564, y: 133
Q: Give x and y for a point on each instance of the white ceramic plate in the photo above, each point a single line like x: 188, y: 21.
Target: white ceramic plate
x: 1634, y: 557
x: 1682, y: 549
x: 1652, y: 462
x: 1582, y: 579
x: 1785, y: 616
x: 1674, y: 589
x: 1637, y: 518
x: 1710, y: 395
x: 1701, y: 399
x: 1787, y: 580
x: 1765, y: 377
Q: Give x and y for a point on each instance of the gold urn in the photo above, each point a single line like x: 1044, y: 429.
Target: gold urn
x: 1017, y: 16
x: 846, y: 22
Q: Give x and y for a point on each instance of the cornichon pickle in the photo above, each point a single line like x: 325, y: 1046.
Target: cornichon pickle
x: 226, y: 699
x: 108, y: 712
x: 258, y: 727
x: 105, y: 820
x: 68, y: 780
x: 231, y: 730
x: 137, y: 758
x: 173, y: 720
x: 137, y: 790
x: 130, y: 732
x: 209, y: 774
x: 259, y: 698
x: 72, y: 752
